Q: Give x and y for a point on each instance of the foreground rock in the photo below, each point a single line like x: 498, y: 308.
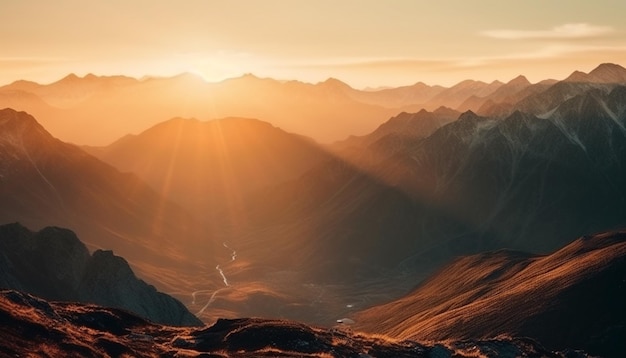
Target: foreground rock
x: 34, y: 326
x: 53, y: 263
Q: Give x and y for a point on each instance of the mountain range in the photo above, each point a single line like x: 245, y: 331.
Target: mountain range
x: 242, y: 217
x: 93, y: 110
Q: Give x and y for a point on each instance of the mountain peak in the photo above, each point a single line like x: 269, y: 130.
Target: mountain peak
x: 19, y: 132
x: 608, y: 73
x: 11, y: 119
x: 335, y: 83
x: 190, y: 76
x: 604, y: 73
x: 577, y: 76
x: 468, y: 114
x: 520, y: 80
x: 70, y: 77
x: 607, y: 66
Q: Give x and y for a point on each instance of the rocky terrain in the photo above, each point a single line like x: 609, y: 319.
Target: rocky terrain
x: 32, y: 326
x: 54, y: 264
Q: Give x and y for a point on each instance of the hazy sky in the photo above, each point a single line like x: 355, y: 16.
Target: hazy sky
x: 363, y: 42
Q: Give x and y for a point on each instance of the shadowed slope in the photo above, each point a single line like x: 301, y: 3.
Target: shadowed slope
x: 54, y: 264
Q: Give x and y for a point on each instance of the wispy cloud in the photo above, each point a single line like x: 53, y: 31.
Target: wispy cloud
x: 566, y: 31
x: 554, y: 51
x: 30, y: 60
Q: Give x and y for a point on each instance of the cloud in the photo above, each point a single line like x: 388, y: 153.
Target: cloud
x: 566, y: 31
x: 547, y: 54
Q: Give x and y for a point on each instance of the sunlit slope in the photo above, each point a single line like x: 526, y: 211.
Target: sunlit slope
x: 571, y: 298
x: 211, y: 166
x: 47, y: 182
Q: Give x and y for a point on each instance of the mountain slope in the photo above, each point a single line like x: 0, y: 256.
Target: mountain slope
x: 413, y: 126
x: 46, y: 182
x: 571, y: 298
x: 209, y: 166
x: 54, y: 264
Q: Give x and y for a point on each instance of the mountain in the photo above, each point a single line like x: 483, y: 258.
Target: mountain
x: 495, y: 173
x: 34, y: 326
x: 571, y: 298
x: 71, y: 89
x: 475, y: 184
x: 209, y: 166
x: 604, y: 73
x: 454, y: 96
x: 392, y: 136
x: 53, y: 263
x: 98, y: 110
x: 504, y: 94
x: 406, y: 97
x: 605, y: 77
x: 45, y: 182
x: 413, y: 125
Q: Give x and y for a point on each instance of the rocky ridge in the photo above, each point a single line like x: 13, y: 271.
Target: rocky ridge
x: 53, y: 263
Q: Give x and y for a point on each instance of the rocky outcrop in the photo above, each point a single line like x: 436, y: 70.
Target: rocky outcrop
x: 53, y: 263
x: 108, y: 280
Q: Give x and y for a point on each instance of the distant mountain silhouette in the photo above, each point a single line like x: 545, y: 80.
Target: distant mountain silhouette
x: 98, y: 110
x: 393, y: 136
x: 32, y: 325
x: 454, y: 96
x: 604, y: 78
x: 413, y: 125
x: 572, y: 298
x: 54, y: 264
x: 504, y: 94
x: 604, y: 73
x: 210, y: 166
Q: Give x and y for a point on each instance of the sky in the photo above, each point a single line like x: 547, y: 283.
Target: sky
x: 366, y: 43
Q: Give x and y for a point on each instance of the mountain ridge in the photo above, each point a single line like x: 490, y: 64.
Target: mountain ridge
x: 580, y: 285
